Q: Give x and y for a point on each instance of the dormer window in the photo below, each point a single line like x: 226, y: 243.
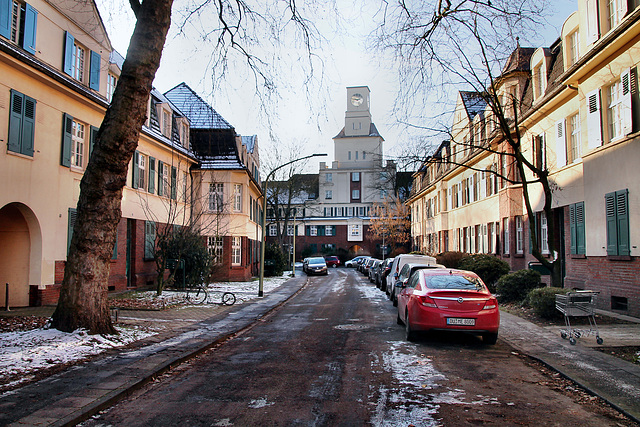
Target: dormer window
x: 166, y: 123
x: 574, y: 47
x: 18, y: 21
x: 77, y: 63
x: 539, y: 80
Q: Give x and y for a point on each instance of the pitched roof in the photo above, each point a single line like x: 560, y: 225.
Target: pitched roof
x: 473, y: 102
x: 373, y: 131
x: 519, y: 60
x: 200, y: 114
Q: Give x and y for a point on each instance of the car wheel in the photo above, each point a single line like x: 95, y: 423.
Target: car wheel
x: 399, y: 320
x: 409, y: 334
x: 395, y: 300
x: 490, y: 338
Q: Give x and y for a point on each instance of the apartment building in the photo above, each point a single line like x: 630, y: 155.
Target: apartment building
x: 226, y: 199
x: 579, y: 117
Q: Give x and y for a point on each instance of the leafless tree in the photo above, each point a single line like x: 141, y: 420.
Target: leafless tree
x: 444, y: 46
x: 236, y: 24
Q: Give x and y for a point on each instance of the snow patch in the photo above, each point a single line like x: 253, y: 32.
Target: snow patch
x: 260, y: 403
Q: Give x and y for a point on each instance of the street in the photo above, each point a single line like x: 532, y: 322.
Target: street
x: 334, y: 355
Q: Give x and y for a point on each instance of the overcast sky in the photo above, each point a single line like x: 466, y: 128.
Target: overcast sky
x: 310, y: 121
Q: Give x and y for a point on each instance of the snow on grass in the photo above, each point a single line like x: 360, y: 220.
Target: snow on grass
x: 24, y: 352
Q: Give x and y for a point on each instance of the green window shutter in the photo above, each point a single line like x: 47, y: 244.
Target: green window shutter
x: 160, y: 172
x: 28, y: 126
x: 94, y: 71
x: 30, y: 24
x: 149, y: 239
x: 174, y: 179
x: 15, y: 121
x: 67, y: 60
x: 580, y: 229
x: 115, y: 247
x: 5, y: 18
x: 612, y: 233
x: 67, y: 125
x: 92, y: 138
x: 70, y: 225
x: 307, y: 230
x: 622, y: 215
x: 572, y: 229
x: 136, y: 169
x: 152, y: 175
x: 535, y: 227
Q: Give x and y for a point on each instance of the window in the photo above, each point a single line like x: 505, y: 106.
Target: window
x: 519, y: 235
x: 539, y: 151
x: 237, y: 197
x: 328, y: 177
x: 236, y: 250
x: 215, y: 246
x: 355, y: 194
x: 356, y: 155
x: 505, y: 238
x: 166, y: 123
x: 364, y: 155
x: 349, y: 154
x: 328, y: 194
x: 216, y: 192
x: 77, y: 64
x: 544, y: 234
x: 614, y: 110
x: 149, y: 239
x: 22, y: 121
x: 290, y: 229
x: 574, y: 47
x: 273, y: 230
x: 577, y: 229
x: 617, y: 214
x: 328, y: 230
x: 112, y: 81
x: 184, y: 135
x: 165, y: 179
x: 355, y: 176
x: 615, y: 12
x: 354, y: 230
x: 313, y: 230
x: 77, y: 144
x: 539, y: 79
x: 18, y: 22
x: 574, y: 149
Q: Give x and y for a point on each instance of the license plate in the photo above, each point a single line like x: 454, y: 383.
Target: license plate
x: 460, y: 321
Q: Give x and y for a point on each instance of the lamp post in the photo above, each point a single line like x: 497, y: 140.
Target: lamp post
x: 264, y: 216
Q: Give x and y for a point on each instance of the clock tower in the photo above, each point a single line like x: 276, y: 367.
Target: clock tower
x: 357, y: 121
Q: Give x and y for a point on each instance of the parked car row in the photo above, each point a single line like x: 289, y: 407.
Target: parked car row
x: 431, y: 297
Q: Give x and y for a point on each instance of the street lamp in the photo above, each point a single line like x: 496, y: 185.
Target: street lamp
x: 264, y: 216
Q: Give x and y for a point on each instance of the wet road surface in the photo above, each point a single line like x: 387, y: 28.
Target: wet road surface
x: 334, y: 355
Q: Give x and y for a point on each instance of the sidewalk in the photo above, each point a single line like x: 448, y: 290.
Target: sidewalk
x: 614, y: 380
x: 81, y: 391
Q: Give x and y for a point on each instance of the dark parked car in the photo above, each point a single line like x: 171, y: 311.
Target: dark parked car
x: 372, y: 270
x: 381, y: 274
x: 314, y: 265
x: 332, y: 261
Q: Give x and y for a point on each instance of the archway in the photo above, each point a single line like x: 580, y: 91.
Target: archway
x: 20, y: 253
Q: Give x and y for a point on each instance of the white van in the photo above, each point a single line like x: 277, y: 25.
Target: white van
x: 397, y: 265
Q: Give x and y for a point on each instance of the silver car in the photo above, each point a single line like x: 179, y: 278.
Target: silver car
x: 315, y: 265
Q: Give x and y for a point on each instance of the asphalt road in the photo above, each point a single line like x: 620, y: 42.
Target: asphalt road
x: 334, y: 355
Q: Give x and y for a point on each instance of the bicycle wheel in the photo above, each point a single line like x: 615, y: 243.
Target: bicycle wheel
x: 228, y: 298
x: 197, y: 296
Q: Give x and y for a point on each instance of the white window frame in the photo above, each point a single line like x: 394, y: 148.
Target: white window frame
x: 328, y: 194
x: 236, y: 250
x: 506, y: 244
x: 215, y: 245
x: 614, y: 110
x: 273, y: 230
x: 216, y: 196
x: 142, y: 171
x: 355, y: 230
x: 574, y: 47
x: 328, y: 177
x: 355, y: 176
x: 237, y: 197
x: 78, y: 134
x: 313, y: 230
x: 328, y: 230
x: 78, y: 62
x: 519, y: 234
x: 574, y: 150
x: 112, y: 81
x: 290, y: 230
x: 355, y: 194
x: 166, y: 187
x: 166, y: 122
x: 544, y: 234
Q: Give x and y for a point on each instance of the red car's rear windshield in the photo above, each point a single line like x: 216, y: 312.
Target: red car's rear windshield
x: 467, y: 283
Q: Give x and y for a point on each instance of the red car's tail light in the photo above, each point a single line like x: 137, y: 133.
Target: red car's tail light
x: 427, y: 302
x: 490, y: 304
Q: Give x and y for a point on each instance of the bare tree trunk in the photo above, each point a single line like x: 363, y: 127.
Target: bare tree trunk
x: 83, y: 299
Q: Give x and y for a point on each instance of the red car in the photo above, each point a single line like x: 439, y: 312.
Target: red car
x: 447, y: 299
x: 332, y: 261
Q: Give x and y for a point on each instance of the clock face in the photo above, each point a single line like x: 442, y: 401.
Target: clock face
x: 356, y: 99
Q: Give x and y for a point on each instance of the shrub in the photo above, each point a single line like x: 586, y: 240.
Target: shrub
x: 543, y: 302
x: 450, y: 259
x: 275, y: 260
x: 488, y: 267
x: 514, y: 287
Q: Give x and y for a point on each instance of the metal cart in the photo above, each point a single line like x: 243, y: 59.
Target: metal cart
x: 578, y: 304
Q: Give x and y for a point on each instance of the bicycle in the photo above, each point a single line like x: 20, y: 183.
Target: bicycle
x: 199, y: 294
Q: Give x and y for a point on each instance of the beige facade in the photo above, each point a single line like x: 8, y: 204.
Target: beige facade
x: 57, y: 75
x: 579, y: 119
